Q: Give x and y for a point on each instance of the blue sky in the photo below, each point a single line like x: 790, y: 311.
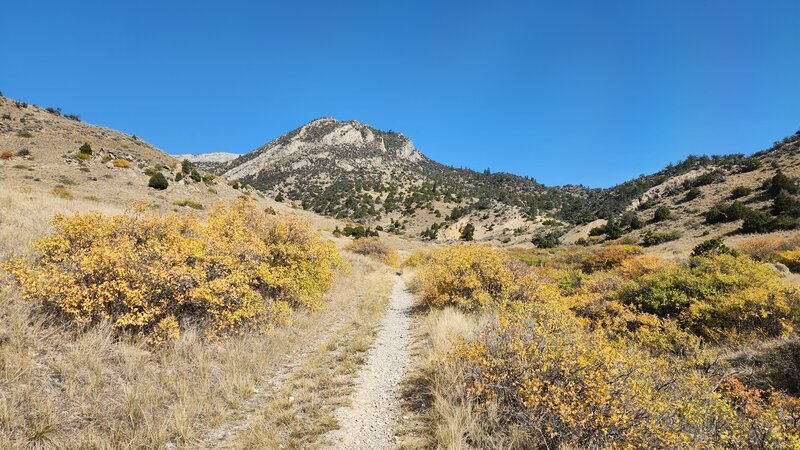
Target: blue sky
x: 566, y: 92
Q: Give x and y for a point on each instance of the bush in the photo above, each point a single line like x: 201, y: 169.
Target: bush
x: 25, y: 134
x: 122, y: 163
x: 721, y: 212
x: 714, y: 246
x: 609, y: 257
x: 6, y: 155
x: 548, y: 240
x: 85, y: 149
x: 539, y: 380
x: 692, y: 194
x: 239, y: 269
x: 661, y: 214
x: 158, y: 181
x: 780, y: 182
x: 659, y: 237
x: 195, y: 175
x: 750, y: 164
x: 790, y: 259
x: 186, y: 167
x: 374, y: 247
x: 785, y: 204
x: 358, y: 232
x: 473, y: 277
x: 718, y: 296
x: 741, y: 191
x: 468, y: 232
x: 83, y: 156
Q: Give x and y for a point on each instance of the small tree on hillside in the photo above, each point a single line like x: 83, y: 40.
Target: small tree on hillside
x: 662, y: 213
x: 158, y: 181
x: 468, y: 232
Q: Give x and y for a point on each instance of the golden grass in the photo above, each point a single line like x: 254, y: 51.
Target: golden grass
x: 62, y: 192
x: 435, y: 418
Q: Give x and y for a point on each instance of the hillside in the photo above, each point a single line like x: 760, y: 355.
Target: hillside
x: 350, y: 170
x: 40, y: 154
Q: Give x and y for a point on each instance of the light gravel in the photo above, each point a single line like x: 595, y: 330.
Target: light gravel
x: 369, y: 422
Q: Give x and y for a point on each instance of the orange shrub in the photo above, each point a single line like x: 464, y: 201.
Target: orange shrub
x: 609, y: 257
x: 6, y: 155
x: 239, y: 269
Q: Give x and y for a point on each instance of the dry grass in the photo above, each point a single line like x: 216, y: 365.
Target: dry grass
x: 302, y: 411
x: 376, y: 248
x: 436, y: 418
x: 766, y: 248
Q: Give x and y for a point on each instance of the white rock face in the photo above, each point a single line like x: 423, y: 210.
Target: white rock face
x: 319, y: 139
x: 214, y: 157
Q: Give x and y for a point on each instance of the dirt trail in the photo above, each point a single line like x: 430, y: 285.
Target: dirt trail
x: 369, y: 422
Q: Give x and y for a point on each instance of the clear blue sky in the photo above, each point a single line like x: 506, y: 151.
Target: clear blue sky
x: 590, y: 92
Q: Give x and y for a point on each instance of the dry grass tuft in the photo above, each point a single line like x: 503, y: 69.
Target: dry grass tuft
x: 376, y: 248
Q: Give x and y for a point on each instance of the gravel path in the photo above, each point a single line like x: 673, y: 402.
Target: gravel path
x: 369, y: 422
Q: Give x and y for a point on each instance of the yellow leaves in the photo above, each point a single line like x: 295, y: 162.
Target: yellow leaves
x: 241, y: 268
x: 473, y: 278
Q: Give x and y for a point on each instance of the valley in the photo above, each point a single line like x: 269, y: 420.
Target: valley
x: 336, y: 288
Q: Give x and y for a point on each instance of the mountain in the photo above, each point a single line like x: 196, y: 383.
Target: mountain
x: 350, y: 170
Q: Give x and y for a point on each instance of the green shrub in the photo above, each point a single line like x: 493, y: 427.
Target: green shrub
x: 692, y: 194
x: 780, y: 182
x: 785, y: 204
x: 659, y: 237
x: 752, y: 163
x: 714, y: 246
x: 86, y: 149
x: 195, y: 175
x: 741, y: 191
x: 468, y: 232
x: 661, y: 214
x: 548, y: 240
x: 158, y: 181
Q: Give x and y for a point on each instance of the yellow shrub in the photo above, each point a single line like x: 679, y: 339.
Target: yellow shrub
x: 639, y: 266
x: 790, y: 259
x: 373, y: 246
x: 122, y: 163
x: 560, y: 386
x: 239, y: 269
x: 718, y: 297
x: 474, y: 277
